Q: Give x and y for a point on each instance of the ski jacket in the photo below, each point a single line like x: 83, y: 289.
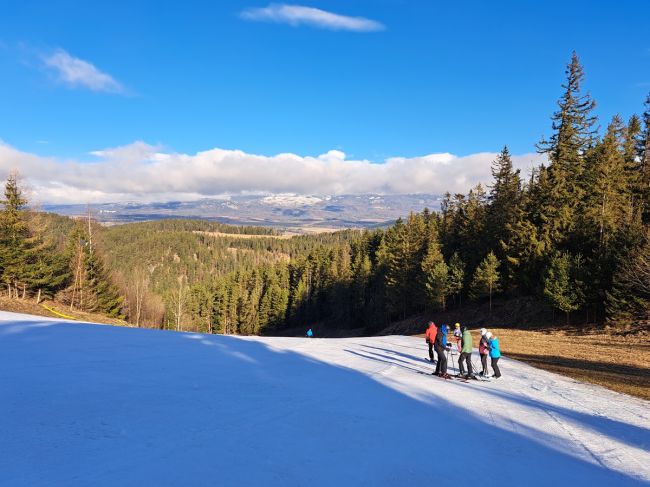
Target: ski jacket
x: 467, y: 342
x: 441, y: 337
x: 494, y: 348
x: 483, y: 346
x: 438, y: 343
x: 431, y: 333
x: 459, y: 339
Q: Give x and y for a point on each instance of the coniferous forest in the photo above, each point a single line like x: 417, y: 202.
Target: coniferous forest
x: 574, y: 233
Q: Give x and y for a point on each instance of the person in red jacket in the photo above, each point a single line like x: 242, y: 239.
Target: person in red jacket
x: 430, y: 337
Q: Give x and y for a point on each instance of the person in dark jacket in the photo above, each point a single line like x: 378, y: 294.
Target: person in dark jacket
x: 430, y: 336
x: 441, y: 345
x: 466, y: 353
x: 484, y: 351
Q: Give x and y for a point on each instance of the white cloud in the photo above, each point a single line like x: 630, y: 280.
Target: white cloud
x: 298, y: 15
x: 78, y: 73
x: 141, y: 172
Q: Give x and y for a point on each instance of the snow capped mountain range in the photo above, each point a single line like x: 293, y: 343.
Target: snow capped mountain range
x: 280, y: 210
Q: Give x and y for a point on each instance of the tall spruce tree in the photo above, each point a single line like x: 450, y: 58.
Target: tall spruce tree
x: 456, y: 277
x: 608, y: 186
x: 16, y: 243
x: 629, y: 297
x: 562, y: 286
x: 401, y: 253
x: 644, y: 164
x: 573, y: 134
x: 47, y: 272
x: 504, y: 210
x: 92, y: 289
x: 632, y: 156
x: 471, y: 224
x: 436, y: 275
x: 487, y: 279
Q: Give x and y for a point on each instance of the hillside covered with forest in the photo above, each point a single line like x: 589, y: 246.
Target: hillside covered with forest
x: 574, y: 235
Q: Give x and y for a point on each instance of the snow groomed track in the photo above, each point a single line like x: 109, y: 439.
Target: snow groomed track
x: 104, y: 406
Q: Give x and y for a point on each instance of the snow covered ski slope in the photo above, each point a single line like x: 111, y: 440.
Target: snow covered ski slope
x: 88, y: 405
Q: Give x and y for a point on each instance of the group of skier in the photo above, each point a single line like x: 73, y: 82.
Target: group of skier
x: 436, y: 338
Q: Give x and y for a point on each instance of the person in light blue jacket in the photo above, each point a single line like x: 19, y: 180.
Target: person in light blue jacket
x: 495, y: 353
x: 310, y: 333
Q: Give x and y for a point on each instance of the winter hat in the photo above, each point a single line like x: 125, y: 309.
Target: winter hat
x: 483, y: 331
x: 489, y: 334
x: 457, y: 325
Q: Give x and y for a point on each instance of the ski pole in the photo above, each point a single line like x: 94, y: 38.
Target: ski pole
x: 474, y: 365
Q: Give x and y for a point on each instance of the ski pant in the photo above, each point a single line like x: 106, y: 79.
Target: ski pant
x: 484, y: 363
x: 441, y: 366
x: 431, y: 351
x: 495, y: 367
x: 467, y: 357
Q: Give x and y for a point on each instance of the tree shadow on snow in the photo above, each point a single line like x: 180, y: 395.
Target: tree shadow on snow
x: 624, y: 432
x: 101, y: 405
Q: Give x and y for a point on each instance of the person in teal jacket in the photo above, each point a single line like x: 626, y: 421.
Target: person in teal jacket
x: 495, y: 353
x: 466, y: 353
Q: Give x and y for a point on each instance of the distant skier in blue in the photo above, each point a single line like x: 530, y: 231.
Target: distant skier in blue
x: 310, y: 334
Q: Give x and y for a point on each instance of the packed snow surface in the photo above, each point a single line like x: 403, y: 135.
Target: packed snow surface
x: 90, y: 405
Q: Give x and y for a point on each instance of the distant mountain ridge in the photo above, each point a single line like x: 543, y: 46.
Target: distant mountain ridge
x: 281, y: 210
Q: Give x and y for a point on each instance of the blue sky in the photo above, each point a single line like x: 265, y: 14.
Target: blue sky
x: 417, y: 78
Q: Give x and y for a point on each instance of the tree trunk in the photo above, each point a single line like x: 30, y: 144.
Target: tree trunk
x: 38, y: 297
x: 24, y: 292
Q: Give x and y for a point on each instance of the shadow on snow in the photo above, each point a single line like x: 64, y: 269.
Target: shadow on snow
x: 100, y: 405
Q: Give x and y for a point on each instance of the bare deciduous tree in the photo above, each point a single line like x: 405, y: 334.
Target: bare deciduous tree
x: 178, y: 298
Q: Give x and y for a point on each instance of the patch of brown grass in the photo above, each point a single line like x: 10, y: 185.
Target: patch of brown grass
x: 620, y: 362
x: 29, y: 306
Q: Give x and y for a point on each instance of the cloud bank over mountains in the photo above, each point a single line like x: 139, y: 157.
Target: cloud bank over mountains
x: 146, y: 173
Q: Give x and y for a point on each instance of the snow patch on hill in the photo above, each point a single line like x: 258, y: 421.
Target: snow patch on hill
x: 290, y: 200
x: 103, y: 406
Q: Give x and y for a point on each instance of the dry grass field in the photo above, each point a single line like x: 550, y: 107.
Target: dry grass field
x: 28, y: 306
x: 616, y: 359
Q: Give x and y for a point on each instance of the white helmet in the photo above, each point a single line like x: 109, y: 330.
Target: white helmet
x: 483, y: 331
x: 489, y: 334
